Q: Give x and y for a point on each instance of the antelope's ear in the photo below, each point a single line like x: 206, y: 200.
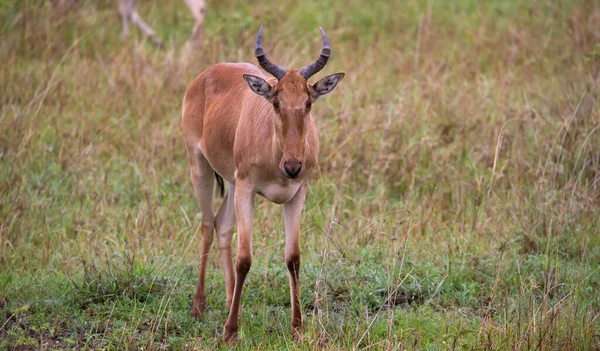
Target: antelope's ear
x: 325, y: 85
x: 259, y: 86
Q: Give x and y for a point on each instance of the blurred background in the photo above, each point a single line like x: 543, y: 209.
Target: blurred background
x: 456, y: 203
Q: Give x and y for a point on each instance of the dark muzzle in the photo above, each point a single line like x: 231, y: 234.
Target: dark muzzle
x: 292, y: 167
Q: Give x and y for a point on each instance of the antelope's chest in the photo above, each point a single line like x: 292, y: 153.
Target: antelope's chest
x: 279, y: 193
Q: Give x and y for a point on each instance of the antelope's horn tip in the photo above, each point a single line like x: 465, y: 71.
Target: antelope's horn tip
x: 325, y: 38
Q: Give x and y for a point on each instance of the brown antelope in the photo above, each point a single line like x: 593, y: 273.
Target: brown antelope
x: 261, y: 140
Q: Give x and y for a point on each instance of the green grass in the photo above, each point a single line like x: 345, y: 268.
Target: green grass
x: 456, y: 204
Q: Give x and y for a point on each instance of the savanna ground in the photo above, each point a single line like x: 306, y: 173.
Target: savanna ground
x: 456, y: 205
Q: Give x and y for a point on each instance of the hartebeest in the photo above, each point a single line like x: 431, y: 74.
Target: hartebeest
x: 258, y: 134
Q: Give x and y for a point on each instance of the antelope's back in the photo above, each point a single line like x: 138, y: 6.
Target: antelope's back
x: 211, y: 112
x: 220, y: 86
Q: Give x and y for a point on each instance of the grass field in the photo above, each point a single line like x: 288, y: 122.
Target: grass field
x: 456, y: 204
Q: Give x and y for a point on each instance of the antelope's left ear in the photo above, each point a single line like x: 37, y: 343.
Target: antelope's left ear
x: 325, y: 85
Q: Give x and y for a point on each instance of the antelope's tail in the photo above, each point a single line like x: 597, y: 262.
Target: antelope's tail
x: 220, y: 185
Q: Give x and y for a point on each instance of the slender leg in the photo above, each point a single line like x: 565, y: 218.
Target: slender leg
x: 198, y: 9
x: 292, y: 212
x: 145, y: 28
x: 124, y: 27
x: 203, y: 181
x: 126, y: 8
x: 128, y: 12
x: 224, y: 224
x: 244, y: 213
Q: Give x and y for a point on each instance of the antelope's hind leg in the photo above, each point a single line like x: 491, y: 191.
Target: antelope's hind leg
x: 198, y: 10
x: 203, y: 179
x: 224, y: 224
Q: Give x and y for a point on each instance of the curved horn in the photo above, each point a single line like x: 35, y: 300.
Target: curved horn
x: 310, y: 70
x: 276, y: 71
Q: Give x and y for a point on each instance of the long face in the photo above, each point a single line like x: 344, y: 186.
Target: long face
x: 292, y: 103
x: 292, y: 98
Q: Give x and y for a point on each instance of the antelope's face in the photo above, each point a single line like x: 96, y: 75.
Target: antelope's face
x: 292, y: 99
x: 291, y: 103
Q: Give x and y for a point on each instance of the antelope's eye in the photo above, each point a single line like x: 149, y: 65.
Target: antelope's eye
x: 308, y: 104
x: 276, y: 104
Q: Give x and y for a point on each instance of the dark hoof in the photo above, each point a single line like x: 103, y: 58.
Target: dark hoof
x: 196, y: 312
x: 230, y: 336
x: 297, y: 332
x: 196, y: 315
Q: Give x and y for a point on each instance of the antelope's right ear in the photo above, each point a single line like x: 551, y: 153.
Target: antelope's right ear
x: 259, y: 86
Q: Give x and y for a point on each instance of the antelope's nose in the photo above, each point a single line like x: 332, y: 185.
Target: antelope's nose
x: 292, y: 167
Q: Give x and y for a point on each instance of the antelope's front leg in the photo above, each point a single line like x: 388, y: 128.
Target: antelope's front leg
x: 292, y: 213
x: 244, y: 212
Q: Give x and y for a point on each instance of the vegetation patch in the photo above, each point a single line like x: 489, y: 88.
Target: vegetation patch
x: 456, y: 204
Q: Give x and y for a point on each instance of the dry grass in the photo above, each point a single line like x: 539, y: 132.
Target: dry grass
x: 456, y: 203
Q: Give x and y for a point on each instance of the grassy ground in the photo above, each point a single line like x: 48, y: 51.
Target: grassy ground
x: 456, y: 206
